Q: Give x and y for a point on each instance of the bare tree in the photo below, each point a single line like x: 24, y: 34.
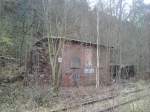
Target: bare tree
x: 55, y: 45
x: 98, y: 52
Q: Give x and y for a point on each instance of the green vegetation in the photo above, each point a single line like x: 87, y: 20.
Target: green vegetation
x: 23, y: 22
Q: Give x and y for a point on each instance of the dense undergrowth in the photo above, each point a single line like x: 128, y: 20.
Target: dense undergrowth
x: 18, y: 98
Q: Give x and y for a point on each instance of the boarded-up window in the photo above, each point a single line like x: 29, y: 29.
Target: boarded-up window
x: 75, y: 63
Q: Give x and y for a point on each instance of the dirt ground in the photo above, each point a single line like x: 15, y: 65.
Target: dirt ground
x: 17, y: 98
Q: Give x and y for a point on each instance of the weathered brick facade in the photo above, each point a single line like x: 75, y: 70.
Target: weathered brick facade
x: 78, y: 64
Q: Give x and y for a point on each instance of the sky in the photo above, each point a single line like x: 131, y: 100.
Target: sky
x: 147, y: 1
x: 93, y: 2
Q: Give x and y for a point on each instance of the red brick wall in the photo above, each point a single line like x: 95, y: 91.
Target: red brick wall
x: 87, y: 55
x: 40, y: 69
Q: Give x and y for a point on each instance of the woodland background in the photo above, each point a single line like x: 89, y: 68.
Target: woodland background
x: 22, y: 22
x: 113, y: 23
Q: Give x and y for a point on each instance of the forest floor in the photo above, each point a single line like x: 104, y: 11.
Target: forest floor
x: 123, y: 97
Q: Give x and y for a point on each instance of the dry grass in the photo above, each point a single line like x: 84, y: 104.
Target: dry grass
x: 17, y: 98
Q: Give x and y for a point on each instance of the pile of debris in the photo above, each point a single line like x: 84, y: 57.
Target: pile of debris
x: 10, y: 71
x: 4, y: 61
x: 38, y: 68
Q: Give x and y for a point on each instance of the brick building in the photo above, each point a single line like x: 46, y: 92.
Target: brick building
x: 78, y: 63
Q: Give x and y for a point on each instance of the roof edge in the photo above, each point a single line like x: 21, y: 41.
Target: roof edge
x: 44, y: 39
